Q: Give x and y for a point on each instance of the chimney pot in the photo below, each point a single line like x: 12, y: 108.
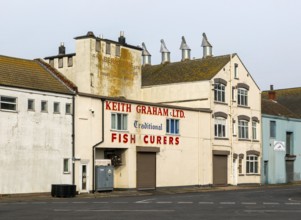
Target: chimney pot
x: 121, y: 39
x: 62, y: 49
x: 272, y: 93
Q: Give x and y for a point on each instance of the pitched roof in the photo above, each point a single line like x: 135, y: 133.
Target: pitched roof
x: 290, y: 98
x: 185, y: 71
x: 32, y: 74
x: 271, y: 107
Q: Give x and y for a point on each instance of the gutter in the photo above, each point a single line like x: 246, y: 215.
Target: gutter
x: 97, y: 144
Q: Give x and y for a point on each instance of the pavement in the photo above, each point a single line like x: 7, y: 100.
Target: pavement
x: 128, y: 193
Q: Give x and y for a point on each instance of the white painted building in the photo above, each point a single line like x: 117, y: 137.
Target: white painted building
x: 36, y: 127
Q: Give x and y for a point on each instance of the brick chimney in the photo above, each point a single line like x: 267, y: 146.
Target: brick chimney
x: 272, y: 93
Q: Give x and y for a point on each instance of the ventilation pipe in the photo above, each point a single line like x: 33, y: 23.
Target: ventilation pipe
x: 121, y: 39
x: 62, y: 49
x: 185, y: 50
x: 165, y: 53
x: 146, y: 56
x: 207, y: 47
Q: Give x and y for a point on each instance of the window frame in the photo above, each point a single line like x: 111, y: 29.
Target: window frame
x: 108, y: 48
x: 117, y: 50
x: 68, y: 106
x: 13, y: 103
x: 254, y: 130
x: 220, y: 127
x: 252, y: 162
x: 172, y: 126
x: 219, y: 92
x: 60, y: 62
x: 243, y: 129
x: 30, y: 104
x: 119, y: 121
x: 66, y: 165
x: 273, y: 126
x: 70, y: 61
x: 235, y: 71
x: 46, y: 106
x: 56, y: 108
x: 242, y: 97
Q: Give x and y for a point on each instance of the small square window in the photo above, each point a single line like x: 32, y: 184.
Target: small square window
x: 68, y: 108
x: 44, y: 106
x: 66, y: 165
x: 172, y: 126
x: 30, y: 105
x: 56, y: 107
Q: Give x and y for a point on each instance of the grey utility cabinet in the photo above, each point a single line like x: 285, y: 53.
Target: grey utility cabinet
x: 104, y: 178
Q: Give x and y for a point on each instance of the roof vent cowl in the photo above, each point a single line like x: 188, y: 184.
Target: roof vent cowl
x: 165, y: 53
x: 185, y: 50
x: 146, y: 56
x: 207, y: 47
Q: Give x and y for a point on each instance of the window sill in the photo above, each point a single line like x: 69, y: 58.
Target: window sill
x: 241, y: 174
x: 244, y: 140
x: 252, y: 174
x: 255, y: 141
x: 67, y: 173
x: 7, y: 110
x: 221, y: 138
x: 243, y: 106
x: 220, y: 103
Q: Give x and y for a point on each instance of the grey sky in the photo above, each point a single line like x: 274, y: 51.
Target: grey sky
x: 264, y: 33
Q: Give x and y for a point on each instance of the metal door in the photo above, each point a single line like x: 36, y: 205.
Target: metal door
x: 220, y: 170
x: 104, y: 178
x: 146, y: 170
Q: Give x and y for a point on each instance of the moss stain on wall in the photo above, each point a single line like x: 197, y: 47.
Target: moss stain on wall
x: 117, y: 72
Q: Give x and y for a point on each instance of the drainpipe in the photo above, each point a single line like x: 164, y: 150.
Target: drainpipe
x: 73, y: 139
x: 99, y: 143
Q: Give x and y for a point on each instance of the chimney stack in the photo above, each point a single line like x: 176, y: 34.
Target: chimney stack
x: 121, y: 39
x: 185, y: 50
x: 272, y: 93
x: 165, y: 53
x: 62, y: 49
x: 207, y: 47
x: 146, y: 56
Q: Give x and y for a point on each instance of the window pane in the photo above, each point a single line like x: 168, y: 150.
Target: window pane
x: 113, y: 121
x: 119, y: 122
x: 167, y: 126
x: 125, y: 122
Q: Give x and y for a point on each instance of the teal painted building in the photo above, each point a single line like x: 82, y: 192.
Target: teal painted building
x: 281, y: 138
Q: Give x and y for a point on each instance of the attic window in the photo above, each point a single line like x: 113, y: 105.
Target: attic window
x: 61, y: 63
x: 97, y: 46
x: 235, y: 71
x: 108, y: 48
x: 117, y: 51
x: 70, y: 61
x: 51, y: 62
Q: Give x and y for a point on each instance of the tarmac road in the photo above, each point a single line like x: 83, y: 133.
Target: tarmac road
x: 250, y: 203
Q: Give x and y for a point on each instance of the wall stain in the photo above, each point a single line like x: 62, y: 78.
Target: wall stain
x: 116, y: 72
